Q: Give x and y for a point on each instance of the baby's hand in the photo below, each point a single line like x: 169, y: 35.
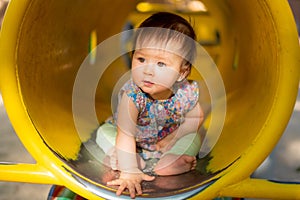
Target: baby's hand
x: 131, y: 181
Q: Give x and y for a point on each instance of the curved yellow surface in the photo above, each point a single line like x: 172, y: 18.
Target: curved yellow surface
x: 43, y: 44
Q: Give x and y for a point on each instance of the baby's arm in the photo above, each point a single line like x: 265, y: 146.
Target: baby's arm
x: 192, y: 123
x: 131, y: 176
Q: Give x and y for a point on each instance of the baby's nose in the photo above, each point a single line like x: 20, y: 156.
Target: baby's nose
x: 149, y: 69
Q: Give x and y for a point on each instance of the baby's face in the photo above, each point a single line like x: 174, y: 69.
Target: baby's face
x: 155, y: 71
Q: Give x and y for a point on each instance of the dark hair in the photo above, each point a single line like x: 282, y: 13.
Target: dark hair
x: 166, y: 27
x: 170, y: 21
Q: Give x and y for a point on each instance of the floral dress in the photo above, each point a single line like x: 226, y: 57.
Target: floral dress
x: 159, y: 118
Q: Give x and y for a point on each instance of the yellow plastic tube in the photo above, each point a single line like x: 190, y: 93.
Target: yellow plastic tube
x: 43, y: 44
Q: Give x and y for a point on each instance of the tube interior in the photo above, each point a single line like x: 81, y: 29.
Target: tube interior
x: 54, y: 41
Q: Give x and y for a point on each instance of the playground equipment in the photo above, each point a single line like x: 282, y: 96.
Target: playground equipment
x: 43, y: 44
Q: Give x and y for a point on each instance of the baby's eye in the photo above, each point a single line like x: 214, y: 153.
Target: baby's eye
x: 161, y: 64
x: 141, y: 60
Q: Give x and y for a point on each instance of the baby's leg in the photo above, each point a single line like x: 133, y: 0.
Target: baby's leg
x: 172, y: 164
x: 181, y: 157
x: 106, y: 140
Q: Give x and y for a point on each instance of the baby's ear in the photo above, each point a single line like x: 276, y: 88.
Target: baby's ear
x: 184, y: 72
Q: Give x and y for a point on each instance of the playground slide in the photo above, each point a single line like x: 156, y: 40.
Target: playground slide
x: 44, y: 44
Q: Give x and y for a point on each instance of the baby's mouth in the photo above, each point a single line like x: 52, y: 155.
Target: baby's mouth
x: 148, y: 83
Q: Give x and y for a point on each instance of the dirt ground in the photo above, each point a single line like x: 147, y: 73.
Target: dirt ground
x: 12, y: 150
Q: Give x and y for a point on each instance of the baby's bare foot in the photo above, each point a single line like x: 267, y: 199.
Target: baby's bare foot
x: 172, y: 164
